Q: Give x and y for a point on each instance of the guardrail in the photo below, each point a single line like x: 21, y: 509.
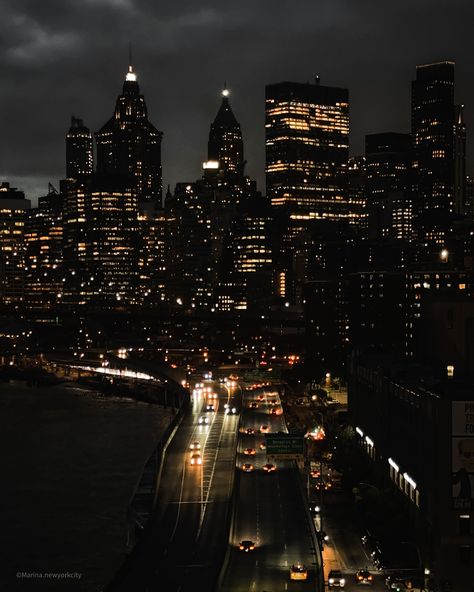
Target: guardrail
x: 143, y: 500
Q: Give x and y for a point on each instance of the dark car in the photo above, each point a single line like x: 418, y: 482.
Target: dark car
x: 363, y: 576
x: 246, y: 546
x: 336, y: 579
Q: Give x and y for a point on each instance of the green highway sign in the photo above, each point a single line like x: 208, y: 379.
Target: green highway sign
x: 284, y: 446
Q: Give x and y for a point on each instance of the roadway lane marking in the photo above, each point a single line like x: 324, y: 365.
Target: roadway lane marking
x: 193, y: 502
x: 179, y: 506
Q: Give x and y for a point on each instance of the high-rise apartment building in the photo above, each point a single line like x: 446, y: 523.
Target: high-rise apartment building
x: 433, y: 120
x: 307, y: 149
x: 128, y: 144
x: 13, y: 211
x: 79, y: 152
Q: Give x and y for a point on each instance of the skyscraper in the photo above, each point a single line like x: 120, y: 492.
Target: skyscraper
x: 459, y: 160
x: 307, y: 149
x: 388, y: 165
x: 13, y: 210
x: 128, y: 144
x: 44, y: 252
x: 101, y: 242
x: 225, y: 147
x: 79, y: 154
x: 433, y: 119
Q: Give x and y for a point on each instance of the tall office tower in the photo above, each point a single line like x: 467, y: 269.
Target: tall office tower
x: 225, y: 146
x: 459, y: 160
x: 44, y: 252
x: 388, y: 165
x: 128, y: 144
x: 433, y: 118
x: 245, y: 274
x: 13, y: 210
x: 79, y: 154
x: 307, y: 149
x: 101, y: 242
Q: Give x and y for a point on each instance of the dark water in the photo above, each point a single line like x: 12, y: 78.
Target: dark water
x: 69, y: 461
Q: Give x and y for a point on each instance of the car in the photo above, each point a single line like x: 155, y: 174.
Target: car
x: 262, y: 446
x: 231, y: 410
x: 264, y: 429
x: 269, y: 468
x: 363, y: 576
x: 261, y: 397
x: 253, y: 405
x: 203, y: 420
x: 195, y: 446
x: 196, y: 459
x: 250, y: 431
x: 249, y: 451
x: 395, y: 585
x: 246, y: 546
x: 212, y: 395
x: 315, y: 474
x: 336, y: 579
x: 298, y: 572
x: 210, y: 407
x: 275, y: 411
x: 247, y: 467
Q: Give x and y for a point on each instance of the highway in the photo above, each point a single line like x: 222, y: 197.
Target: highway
x: 269, y: 511
x: 182, y: 549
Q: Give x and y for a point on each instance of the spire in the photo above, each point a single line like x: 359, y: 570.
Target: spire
x: 131, y: 76
x: 225, y: 116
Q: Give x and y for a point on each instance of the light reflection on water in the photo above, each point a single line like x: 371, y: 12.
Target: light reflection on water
x: 69, y: 461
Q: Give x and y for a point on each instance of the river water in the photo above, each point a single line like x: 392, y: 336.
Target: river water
x: 69, y: 461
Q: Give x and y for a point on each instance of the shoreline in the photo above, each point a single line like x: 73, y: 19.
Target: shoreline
x: 38, y: 377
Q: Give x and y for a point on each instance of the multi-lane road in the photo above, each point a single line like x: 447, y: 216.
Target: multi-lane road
x: 182, y: 549
x: 187, y: 540
x: 269, y: 511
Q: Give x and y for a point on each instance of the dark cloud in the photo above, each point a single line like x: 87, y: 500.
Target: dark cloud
x: 64, y: 57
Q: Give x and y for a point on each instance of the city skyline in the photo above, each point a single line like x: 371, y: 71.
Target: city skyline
x: 182, y: 71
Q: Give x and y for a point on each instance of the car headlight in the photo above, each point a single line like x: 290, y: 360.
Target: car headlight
x: 331, y: 580
x: 342, y: 581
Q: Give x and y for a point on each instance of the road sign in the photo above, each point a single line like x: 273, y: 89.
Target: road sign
x: 284, y: 446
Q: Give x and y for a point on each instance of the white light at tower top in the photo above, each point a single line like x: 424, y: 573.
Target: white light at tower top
x: 225, y: 92
x: 131, y: 76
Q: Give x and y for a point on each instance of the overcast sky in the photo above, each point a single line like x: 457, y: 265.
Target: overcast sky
x: 69, y: 57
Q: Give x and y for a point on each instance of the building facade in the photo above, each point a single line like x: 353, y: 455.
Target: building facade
x: 307, y: 149
x: 13, y: 213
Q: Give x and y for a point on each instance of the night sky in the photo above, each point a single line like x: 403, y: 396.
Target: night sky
x: 69, y: 57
